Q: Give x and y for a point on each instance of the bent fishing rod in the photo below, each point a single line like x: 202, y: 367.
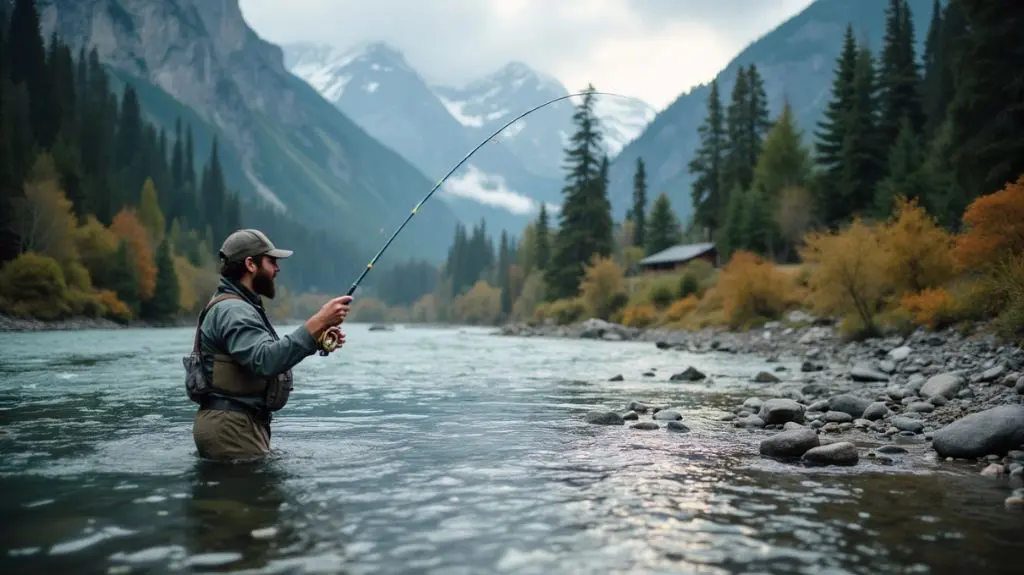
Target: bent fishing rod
x: 330, y: 339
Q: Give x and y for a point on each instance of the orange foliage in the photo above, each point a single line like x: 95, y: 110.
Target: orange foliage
x: 681, y: 307
x: 752, y: 288
x: 128, y: 228
x: 931, y: 307
x: 641, y: 315
x: 994, y: 228
x: 114, y: 307
x: 917, y: 249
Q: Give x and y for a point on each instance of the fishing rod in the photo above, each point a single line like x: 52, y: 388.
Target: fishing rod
x: 330, y: 339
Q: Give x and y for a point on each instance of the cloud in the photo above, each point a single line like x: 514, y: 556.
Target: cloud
x: 490, y: 190
x: 653, y: 49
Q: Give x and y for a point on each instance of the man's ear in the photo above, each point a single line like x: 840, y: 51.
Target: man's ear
x: 251, y: 265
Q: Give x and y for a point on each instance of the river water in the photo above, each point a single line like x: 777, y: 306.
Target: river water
x: 426, y: 450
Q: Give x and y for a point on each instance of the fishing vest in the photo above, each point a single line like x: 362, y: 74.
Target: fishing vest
x: 230, y: 379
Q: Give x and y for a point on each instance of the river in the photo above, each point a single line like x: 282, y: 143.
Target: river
x: 430, y: 450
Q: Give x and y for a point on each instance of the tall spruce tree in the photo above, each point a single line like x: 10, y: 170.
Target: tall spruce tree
x: 585, y: 223
x: 707, y: 165
x: 904, y: 177
x: 832, y: 130
x: 899, y: 76
x: 542, y: 250
x: 663, y: 229
x: 736, y: 169
x: 638, y: 211
x: 863, y: 151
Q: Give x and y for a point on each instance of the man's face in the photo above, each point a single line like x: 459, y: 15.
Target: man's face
x: 263, y: 279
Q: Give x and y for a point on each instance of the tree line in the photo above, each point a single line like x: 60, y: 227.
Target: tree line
x: 104, y: 213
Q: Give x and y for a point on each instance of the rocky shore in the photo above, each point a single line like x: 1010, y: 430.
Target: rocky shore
x: 19, y: 324
x: 958, y: 397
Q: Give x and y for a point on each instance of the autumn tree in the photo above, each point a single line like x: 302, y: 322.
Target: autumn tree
x: 130, y: 230
x: 603, y: 287
x: 994, y: 229
x: 918, y: 252
x: 752, y: 290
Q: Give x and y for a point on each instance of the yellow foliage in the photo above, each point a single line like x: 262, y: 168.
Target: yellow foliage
x: 562, y: 311
x: 127, y: 226
x: 752, y: 289
x: 113, y: 307
x: 425, y: 309
x: 186, y: 274
x: 368, y: 310
x: 917, y: 250
x: 931, y: 307
x: 641, y: 315
x: 602, y: 288
x: 33, y: 286
x: 847, y: 272
x: 150, y: 215
x: 481, y: 305
x: 994, y: 228
x: 681, y: 308
x: 45, y: 221
x: 530, y: 296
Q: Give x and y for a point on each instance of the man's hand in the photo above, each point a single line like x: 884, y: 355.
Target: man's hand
x: 332, y: 313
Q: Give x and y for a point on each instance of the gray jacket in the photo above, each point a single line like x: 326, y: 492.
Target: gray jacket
x: 241, y: 329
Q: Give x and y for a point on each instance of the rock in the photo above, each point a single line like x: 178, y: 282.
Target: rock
x: 753, y: 403
x: 645, y: 425
x: 990, y: 374
x: 921, y: 407
x: 897, y: 393
x: 765, y: 377
x: 915, y: 382
x: 808, y: 367
x: 792, y: 443
x: 831, y: 427
x: 677, y: 426
x: 993, y: 470
x: 847, y: 403
x: 875, y: 411
x: 819, y: 406
x: 381, y: 327
x: 938, y: 400
x: 791, y: 425
x: 630, y: 416
x: 839, y: 453
x: 944, y: 384
x: 617, y: 378
x: 637, y: 407
x: 996, y: 430
x: 663, y: 345
x: 1014, y: 502
x: 900, y: 353
x: 750, y: 421
x: 891, y: 449
x: 667, y: 415
x: 1019, y: 388
x: 908, y: 424
x: 887, y: 366
x: 604, y: 418
x: 867, y: 372
x: 781, y: 411
x: 689, y: 374
x: 837, y: 417
x: 648, y: 374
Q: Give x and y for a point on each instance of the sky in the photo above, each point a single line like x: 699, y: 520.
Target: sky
x: 650, y: 49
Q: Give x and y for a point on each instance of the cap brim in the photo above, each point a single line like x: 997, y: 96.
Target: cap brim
x: 279, y: 254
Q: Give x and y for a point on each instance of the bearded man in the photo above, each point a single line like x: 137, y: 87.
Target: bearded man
x: 240, y: 370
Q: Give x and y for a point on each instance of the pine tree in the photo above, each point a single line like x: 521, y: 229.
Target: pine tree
x: 833, y: 127
x: 663, y: 229
x: 639, y: 202
x: 757, y: 119
x: 783, y: 161
x: 542, y: 250
x: 755, y: 229
x: 585, y: 224
x: 164, y: 302
x: 29, y: 67
x: 707, y: 165
x: 736, y: 170
x: 862, y: 153
x: 904, y: 174
x: 502, y: 280
x: 899, y: 76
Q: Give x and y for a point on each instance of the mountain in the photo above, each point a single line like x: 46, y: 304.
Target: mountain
x: 796, y: 61
x: 436, y: 126
x: 281, y: 143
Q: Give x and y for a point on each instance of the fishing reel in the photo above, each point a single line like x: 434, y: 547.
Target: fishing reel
x: 329, y: 340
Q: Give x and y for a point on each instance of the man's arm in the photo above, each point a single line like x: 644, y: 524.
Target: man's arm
x: 247, y: 340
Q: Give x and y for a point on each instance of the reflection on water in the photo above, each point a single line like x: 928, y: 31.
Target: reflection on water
x: 450, y: 451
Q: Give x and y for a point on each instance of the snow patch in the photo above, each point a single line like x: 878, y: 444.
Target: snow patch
x: 456, y: 110
x: 372, y: 87
x: 488, y: 189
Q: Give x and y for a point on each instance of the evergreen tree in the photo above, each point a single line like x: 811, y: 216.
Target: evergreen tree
x: 783, y: 161
x: 833, y: 127
x: 862, y: 153
x: 29, y: 67
x: 755, y: 228
x: 542, y: 250
x: 707, y: 166
x: 736, y: 170
x: 639, y: 202
x: 904, y: 174
x: 585, y: 224
x: 502, y: 280
x: 164, y: 302
x: 663, y: 229
x: 731, y: 237
x: 899, y: 76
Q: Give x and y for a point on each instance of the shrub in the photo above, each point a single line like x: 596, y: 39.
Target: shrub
x: 641, y: 315
x: 931, y: 307
x: 601, y: 287
x: 994, y: 228
x: 34, y: 286
x: 681, y: 308
x: 751, y: 290
x: 113, y: 307
x: 561, y: 311
x: 917, y: 250
x: 688, y: 285
x: 661, y: 295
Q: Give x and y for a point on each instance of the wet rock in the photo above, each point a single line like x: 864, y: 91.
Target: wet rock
x: 839, y: 453
x: 831, y: 427
x: 891, y: 449
x: 809, y: 367
x: 900, y: 353
x: 945, y: 384
x: 1019, y: 388
x: 750, y: 421
x: 862, y: 423
x: 791, y: 425
x: 847, y: 403
x: 645, y: 426
x: 766, y: 377
x: 1014, y: 502
x: 677, y: 426
x: 993, y: 470
x: 990, y: 375
x: 616, y: 378
x: 867, y: 372
x: 781, y: 411
x: 875, y: 411
x: 995, y: 430
x: 648, y: 374
x: 897, y: 393
x: 604, y: 418
x: 689, y: 374
x: 908, y: 424
x: 630, y: 416
x: 921, y: 407
x: 819, y: 406
x: 792, y: 443
x: 637, y: 407
x: 667, y: 415
x: 938, y: 400
x: 753, y: 403
x: 837, y: 417
x: 817, y: 424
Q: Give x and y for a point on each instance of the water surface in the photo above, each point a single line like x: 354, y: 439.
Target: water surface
x: 451, y: 451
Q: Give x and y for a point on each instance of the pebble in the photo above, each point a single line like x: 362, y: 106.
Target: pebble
x: 839, y: 453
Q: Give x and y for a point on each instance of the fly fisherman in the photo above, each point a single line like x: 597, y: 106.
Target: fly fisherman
x: 240, y: 370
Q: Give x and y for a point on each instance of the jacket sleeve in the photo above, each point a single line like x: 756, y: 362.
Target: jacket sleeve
x: 247, y: 340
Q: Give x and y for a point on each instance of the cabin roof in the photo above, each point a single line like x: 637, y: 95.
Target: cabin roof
x: 678, y: 253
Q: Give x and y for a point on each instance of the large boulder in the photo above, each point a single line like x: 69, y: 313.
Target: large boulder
x: 792, y: 443
x: 993, y: 431
x: 781, y: 410
x: 847, y: 403
x: 944, y: 384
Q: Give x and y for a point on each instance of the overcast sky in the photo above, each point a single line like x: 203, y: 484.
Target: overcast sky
x: 652, y: 49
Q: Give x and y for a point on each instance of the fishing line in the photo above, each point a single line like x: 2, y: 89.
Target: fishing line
x: 330, y: 338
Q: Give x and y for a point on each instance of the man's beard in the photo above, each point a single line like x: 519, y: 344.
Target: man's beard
x: 263, y: 284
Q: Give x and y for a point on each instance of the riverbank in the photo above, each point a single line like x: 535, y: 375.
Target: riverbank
x: 948, y: 396
x: 20, y: 324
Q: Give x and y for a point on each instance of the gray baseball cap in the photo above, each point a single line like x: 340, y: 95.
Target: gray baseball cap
x: 250, y: 243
